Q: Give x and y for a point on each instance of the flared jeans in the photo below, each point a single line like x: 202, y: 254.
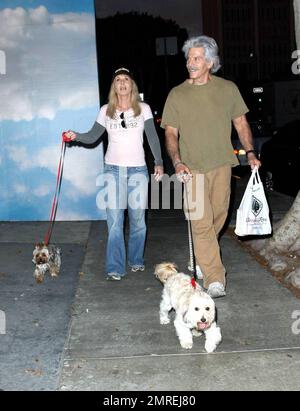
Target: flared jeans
x: 127, y: 188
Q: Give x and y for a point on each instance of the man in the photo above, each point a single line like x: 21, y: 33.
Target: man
x: 197, y: 118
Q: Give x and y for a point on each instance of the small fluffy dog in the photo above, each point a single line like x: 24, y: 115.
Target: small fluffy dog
x: 195, y: 309
x: 46, y: 258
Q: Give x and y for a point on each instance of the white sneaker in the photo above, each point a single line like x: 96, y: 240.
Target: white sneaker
x: 113, y: 277
x: 136, y: 268
x: 216, y: 290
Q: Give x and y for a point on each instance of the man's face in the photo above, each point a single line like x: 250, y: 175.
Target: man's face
x: 198, y: 67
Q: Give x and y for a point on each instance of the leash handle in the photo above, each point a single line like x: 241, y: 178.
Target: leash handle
x: 57, y: 189
x: 65, y: 138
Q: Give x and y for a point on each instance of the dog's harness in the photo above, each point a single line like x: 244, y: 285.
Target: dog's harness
x: 60, y: 170
x: 194, y: 283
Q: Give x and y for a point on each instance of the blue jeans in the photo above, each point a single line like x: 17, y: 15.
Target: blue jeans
x: 127, y: 188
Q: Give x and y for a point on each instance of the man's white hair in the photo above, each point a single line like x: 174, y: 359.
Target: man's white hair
x: 210, y: 47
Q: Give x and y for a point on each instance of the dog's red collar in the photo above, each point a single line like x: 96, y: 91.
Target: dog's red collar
x: 193, y: 282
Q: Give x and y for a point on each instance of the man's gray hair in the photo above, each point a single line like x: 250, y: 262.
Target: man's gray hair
x: 210, y: 47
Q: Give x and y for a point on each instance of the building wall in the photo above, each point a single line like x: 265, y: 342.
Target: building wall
x: 256, y: 37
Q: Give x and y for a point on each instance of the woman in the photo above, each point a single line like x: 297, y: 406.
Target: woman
x: 125, y: 118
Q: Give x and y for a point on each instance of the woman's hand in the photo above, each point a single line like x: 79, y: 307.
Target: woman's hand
x: 158, y: 172
x: 70, y: 134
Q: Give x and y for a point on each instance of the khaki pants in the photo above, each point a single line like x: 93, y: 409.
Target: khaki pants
x: 212, y: 190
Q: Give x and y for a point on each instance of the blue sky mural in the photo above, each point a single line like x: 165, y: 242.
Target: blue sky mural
x: 50, y: 85
x: 53, y: 6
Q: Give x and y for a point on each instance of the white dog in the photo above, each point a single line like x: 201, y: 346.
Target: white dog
x: 195, y: 309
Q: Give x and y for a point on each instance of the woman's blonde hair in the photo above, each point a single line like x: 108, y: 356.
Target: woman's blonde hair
x: 113, y: 99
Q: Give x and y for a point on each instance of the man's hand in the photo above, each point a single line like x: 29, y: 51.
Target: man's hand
x: 183, y: 173
x: 253, y: 161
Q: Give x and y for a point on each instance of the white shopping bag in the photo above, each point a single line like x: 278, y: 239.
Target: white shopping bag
x: 253, y: 213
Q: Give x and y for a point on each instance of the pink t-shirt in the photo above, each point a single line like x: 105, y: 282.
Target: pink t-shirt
x: 125, y: 145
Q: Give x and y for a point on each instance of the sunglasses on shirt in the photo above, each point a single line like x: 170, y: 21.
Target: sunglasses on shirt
x: 123, y: 124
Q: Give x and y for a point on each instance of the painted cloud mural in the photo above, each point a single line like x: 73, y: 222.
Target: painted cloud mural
x: 50, y: 85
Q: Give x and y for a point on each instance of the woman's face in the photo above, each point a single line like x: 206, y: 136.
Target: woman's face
x: 123, y: 85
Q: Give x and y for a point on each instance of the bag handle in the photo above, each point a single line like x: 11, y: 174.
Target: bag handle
x: 254, y: 180
x: 256, y: 176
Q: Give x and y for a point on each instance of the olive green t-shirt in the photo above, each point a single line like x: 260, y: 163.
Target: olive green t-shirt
x: 203, y: 115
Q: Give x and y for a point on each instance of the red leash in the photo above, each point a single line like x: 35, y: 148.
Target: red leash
x: 65, y: 140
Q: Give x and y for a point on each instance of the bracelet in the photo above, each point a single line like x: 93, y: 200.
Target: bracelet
x: 250, y: 151
x: 177, y: 163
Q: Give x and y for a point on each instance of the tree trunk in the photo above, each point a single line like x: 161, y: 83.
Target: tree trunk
x: 282, y: 250
x: 287, y: 232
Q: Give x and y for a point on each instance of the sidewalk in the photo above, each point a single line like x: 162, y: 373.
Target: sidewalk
x: 106, y: 335
x: 37, y: 316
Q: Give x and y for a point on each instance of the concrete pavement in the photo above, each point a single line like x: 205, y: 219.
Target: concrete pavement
x: 37, y: 318
x: 111, y: 338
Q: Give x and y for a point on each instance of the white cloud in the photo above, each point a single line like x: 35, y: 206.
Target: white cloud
x: 43, y: 190
x: 20, y: 156
x: 50, y: 63
x: 19, y: 188
x: 81, y: 167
